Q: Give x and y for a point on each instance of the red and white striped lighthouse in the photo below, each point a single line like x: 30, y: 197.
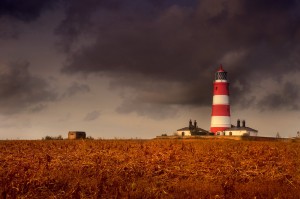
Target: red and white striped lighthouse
x: 220, y: 116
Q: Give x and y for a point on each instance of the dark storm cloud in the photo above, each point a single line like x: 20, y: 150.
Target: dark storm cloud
x: 170, y: 42
x: 14, y: 12
x: 78, y: 19
x: 25, y: 11
x: 287, y: 98
x: 20, y: 90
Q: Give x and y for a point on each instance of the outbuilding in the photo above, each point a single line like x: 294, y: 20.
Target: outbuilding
x: 73, y: 135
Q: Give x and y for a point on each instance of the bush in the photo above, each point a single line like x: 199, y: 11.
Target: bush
x: 47, y: 137
x: 89, y: 138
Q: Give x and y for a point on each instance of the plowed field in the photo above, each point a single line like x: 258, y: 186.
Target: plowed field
x: 149, y: 169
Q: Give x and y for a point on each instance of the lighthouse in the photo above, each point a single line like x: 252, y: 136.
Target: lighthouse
x: 220, y: 115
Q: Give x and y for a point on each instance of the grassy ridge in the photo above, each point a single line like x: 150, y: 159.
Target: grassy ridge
x: 149, y: 169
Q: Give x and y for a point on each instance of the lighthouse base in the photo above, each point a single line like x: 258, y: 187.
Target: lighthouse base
x: 218, y: 129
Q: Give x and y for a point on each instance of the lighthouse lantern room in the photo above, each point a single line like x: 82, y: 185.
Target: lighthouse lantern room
x: 220, y: 117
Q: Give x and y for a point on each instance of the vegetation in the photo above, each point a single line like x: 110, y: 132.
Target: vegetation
x: 149, y: 169
x: 52, y: 137
x: 89, y: 138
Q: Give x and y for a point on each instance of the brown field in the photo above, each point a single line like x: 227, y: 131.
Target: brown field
x: 149, y: 169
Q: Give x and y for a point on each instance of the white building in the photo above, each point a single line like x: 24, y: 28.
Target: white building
x: 191, y: 130
x: 239, y: 130
x: 184, y: 132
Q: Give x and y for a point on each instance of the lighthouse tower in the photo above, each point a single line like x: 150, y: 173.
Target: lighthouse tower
x: 220, y: 116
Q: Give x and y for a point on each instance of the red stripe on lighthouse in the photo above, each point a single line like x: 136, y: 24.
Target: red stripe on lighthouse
x: 221, y: 88
x: 220, y: 110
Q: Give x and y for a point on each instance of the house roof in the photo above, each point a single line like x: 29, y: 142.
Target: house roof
x: 187, y: 129
x: 241, y: 128
x: 184, y: 129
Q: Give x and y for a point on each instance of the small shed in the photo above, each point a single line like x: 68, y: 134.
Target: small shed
x: 73, y: 135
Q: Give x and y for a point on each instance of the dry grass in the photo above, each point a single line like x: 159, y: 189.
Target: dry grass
x: 149, y: 169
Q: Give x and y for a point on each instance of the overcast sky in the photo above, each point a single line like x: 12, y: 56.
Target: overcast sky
x: 140, y: 68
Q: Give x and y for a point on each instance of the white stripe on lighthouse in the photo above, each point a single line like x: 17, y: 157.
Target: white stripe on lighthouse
x: 219, y: 80
x: 220, y: 99
x: 220, y: 121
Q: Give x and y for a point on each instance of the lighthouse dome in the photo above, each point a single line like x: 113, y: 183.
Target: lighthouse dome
x: 221, y: 69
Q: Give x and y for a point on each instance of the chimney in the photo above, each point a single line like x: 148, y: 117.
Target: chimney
x: 238, y: 124
x: 244, y: 123
x: 190, y: 124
